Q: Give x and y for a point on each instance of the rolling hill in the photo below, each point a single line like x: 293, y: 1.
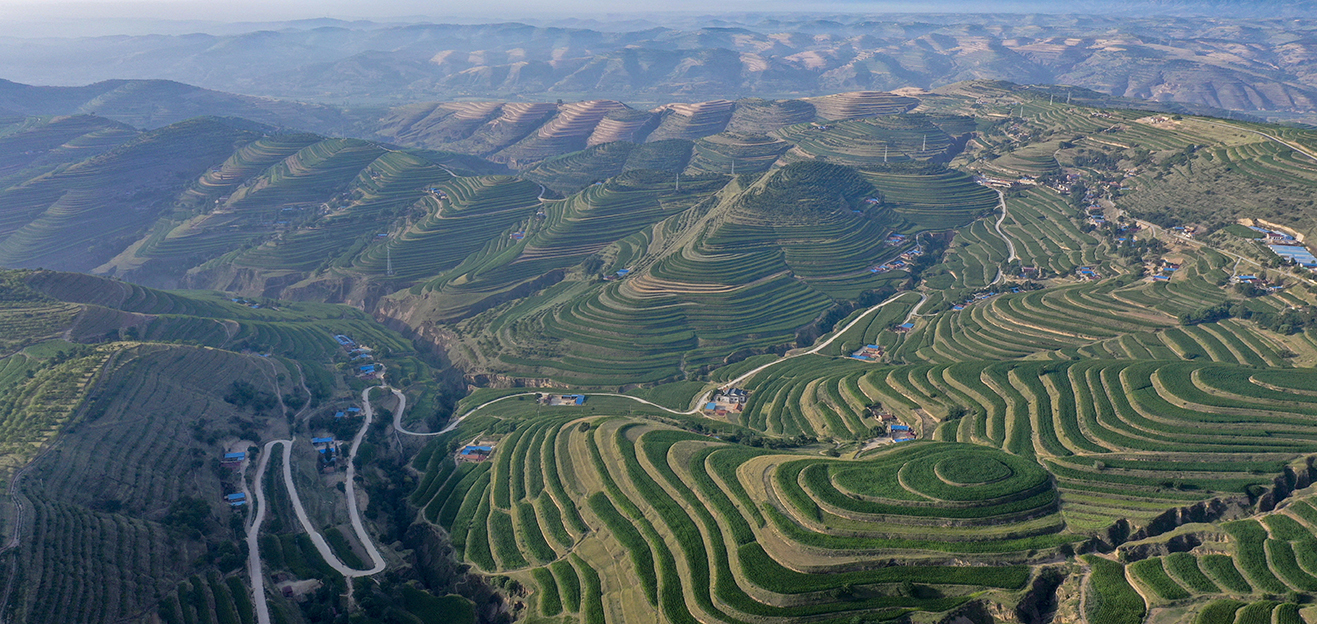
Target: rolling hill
x: 975, y: 353
x: 1172, y: 52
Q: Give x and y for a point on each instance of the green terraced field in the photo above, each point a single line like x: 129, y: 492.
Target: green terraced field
x: 888, y: 139
x: 665, y: 496
x: 1145, y: 441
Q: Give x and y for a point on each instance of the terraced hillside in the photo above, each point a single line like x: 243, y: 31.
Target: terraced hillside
x: 730, y: 152
x: 612, y: 517
x: 524, y: 133
x: 76, y: 217
x: 95, y: 548
x: 859, y: 142
x: 119, y: 508
x: 1064, y: 391
x: 261, y: 211
x: 983, y: 372
x: 37, y: 146
x: 741, y: 271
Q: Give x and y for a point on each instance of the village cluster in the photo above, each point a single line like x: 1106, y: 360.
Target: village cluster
x: 901, y: 262
x: 242, y: 301
x: 1162, y: 270
x: 361, y: 357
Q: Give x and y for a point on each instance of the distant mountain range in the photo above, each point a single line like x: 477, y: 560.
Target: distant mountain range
x: 1261, y: 65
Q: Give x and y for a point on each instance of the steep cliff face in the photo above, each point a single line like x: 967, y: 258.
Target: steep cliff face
x: 1285, y: 484
x: 1217, y: 509
x: 1039, y: 604
x: 1205, y: 511
x: 1179, y: 543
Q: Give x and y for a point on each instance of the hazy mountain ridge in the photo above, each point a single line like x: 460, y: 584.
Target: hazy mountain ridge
x: 157, y: 103
x: 1245, y: 65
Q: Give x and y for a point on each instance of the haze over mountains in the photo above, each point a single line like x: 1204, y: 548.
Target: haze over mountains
x: 1262, y: 65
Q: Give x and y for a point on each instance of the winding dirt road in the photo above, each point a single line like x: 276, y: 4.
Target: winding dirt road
x: 1010, y: 246
x: 255, y: 567
x: 254, y: 563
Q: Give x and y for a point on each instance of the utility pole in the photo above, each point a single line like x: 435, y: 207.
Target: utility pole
x: 733, y: 166
x: 925, y: 147
x: 885, y: 146
x: 1051, y: 99
x: 678, y: 181
x: 1067, y: 98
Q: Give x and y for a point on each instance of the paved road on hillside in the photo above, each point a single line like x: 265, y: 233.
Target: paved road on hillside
x: 1010, y: 246
x: 254, y: 564
x: 733, y: 383
x: 255, y: 567
x: 457, y: 421
x: 353, y: 509
x: 835, y: 335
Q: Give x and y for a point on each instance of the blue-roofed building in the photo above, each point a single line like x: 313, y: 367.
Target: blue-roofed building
x: 900, y: 427
x: 354, y: 410
x: 237, y: 496
x: 329, y: 440
x: 474, y: 453
x: 369, y: 368
x: 340, y: 415
x: 235, y: 456
x: 1297, y: 253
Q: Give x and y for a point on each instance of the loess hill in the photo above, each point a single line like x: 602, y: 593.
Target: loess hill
x: 987, y: 378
